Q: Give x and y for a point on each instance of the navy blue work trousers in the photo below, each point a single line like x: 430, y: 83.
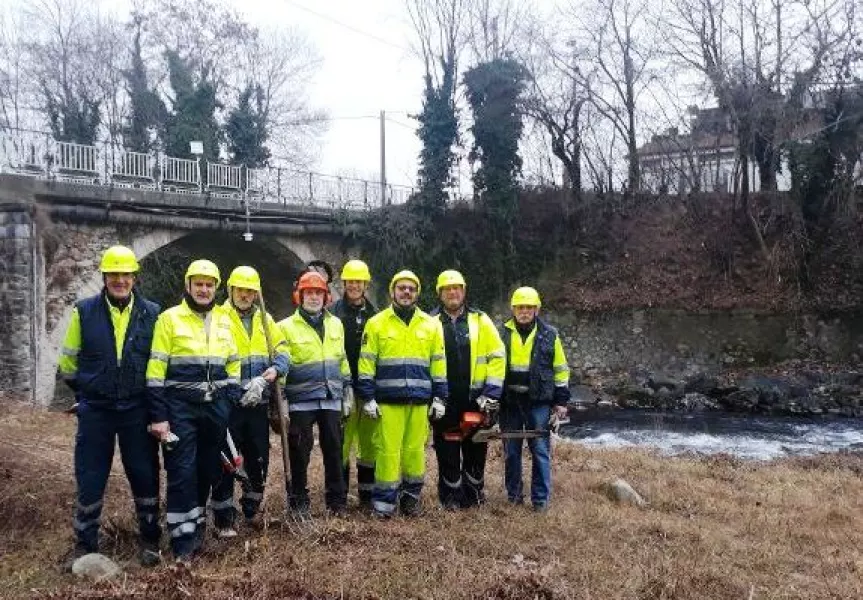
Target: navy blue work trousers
x: 99, y: 429
x: 193, y: 468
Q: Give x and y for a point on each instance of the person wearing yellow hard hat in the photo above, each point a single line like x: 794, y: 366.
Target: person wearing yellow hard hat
x: 249, y: 424
x: 475, y: 366
x: 104, y: 358
x: 354, y: 309
x: 536, y: 394
x: 402, y: 383
x: 193, y: 378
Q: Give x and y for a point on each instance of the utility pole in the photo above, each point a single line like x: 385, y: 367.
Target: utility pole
x: 383, y: 159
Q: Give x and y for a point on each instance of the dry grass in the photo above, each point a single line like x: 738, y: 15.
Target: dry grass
x: 716, y: 528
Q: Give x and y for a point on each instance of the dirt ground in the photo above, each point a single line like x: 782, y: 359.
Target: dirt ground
x: 715, y: 528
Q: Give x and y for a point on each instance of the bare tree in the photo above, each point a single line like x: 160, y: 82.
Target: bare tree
x: 557, y: 94
x: 15, y: 93
x: 622, y: 52
x: 761, y: 58
x: 283, y: 62
x: 206, y: 35
x: 495, y: 27
x: 66, y: 56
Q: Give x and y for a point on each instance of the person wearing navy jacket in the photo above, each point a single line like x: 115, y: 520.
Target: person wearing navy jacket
x: 104, y: 361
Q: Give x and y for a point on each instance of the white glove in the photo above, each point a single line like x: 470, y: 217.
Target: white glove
x: 348, y: 402
x: 437, y: 409
x: 487, y: 404
x: 559, y: 416
x: 254, y: 392
x: 371, y: 409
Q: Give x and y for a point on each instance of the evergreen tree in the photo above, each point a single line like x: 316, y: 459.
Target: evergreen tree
x: 147, y: 112
x: 494, y: 92
x: 438, y: 132
x: 246, y: 129
x: 194, y: 111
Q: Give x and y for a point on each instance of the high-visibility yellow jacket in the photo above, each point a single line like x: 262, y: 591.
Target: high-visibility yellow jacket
x: 192, y: 359
x: 487, y: 356
x: 319, y: 367
x: 402, y: 363
x: 252, y: 349
x: 536, y: 366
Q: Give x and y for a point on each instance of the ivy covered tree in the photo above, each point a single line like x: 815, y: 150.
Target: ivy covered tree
x: 246, y: 129
x: 438, y: 26
x: 193, y: 117
x: 494, y: 91
x: 147, y: 112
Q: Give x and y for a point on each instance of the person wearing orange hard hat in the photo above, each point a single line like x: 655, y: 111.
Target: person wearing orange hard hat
x: 315, y: 389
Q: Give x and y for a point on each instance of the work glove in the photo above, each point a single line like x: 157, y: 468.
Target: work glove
x: 437, y: 409
x: 487, y: 404
x: 254, y: 392
x: 371, y: 409
x: 348, y: 402
x: 559, y: 416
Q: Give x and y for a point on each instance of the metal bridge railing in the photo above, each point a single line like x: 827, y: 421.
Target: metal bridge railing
x: 38, y: 155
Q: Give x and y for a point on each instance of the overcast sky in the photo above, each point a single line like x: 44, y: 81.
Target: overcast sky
x: 367, y: 67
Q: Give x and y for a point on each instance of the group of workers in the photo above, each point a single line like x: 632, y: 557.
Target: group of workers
x: 205, y: 380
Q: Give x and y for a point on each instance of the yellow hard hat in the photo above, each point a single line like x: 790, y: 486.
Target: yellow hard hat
x: 406, y: 274
x: 449, y: 277
x: 356, y: 270
x: 204, y: 267
x: 119, y: 259
x: 245, y: 277
x: 525, y: 296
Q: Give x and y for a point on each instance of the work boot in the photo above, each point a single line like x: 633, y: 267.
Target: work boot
x: 200, y: 534
x: 410, y: 506
x: 149, y: 555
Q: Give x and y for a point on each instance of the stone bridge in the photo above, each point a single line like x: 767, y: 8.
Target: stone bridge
x: 53, y: 232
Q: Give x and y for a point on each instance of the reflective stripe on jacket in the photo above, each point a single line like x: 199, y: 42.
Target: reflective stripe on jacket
x: 252, y: 350
x: 188, y: 359
x: 487, y: 355
x: 536, y: 366
x: 319, y: 368
x: 402, y: 363
x: 105, y: 351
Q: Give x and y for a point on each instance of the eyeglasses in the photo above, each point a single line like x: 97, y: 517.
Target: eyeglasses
x: 406, y: 288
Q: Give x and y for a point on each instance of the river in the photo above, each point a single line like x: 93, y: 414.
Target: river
x: 750, y: 437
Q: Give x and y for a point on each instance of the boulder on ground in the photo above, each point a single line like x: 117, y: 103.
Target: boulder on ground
x: 624, y: 493
x: 96, y: 567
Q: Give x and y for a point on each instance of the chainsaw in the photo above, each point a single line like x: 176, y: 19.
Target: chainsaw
x: 479, y: 428
x: 233, y: 465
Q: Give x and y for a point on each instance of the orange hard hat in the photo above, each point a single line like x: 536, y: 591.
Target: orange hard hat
x: 312, y: 281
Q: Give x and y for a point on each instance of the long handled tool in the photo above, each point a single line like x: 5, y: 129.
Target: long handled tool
x: 281, y: 408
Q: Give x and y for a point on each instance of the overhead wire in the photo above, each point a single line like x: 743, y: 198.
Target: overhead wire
x: 353, y: 28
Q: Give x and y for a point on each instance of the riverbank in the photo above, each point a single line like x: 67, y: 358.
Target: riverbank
x: 792, y: 388
x: 716, y: 527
